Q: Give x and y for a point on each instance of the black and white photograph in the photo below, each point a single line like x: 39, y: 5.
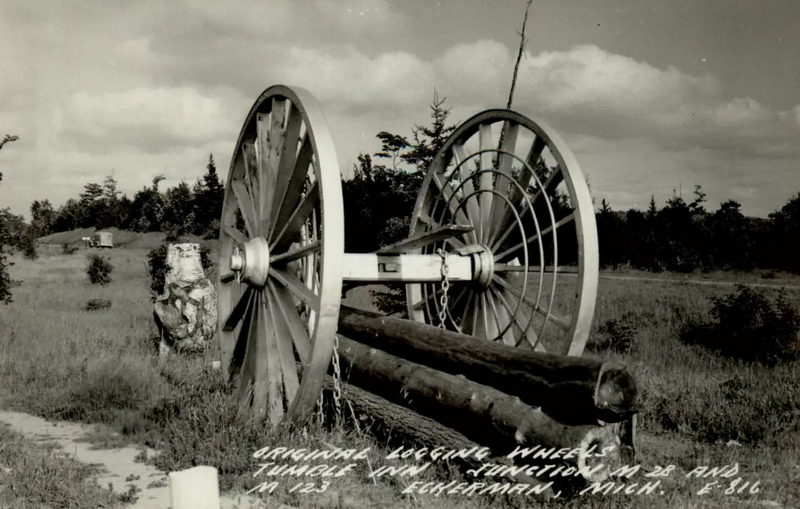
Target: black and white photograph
x: 345, y: 254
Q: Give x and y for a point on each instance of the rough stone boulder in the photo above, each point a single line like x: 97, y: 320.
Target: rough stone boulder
x: 186, y: 312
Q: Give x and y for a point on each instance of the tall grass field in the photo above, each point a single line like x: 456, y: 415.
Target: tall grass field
x: 700, y: 407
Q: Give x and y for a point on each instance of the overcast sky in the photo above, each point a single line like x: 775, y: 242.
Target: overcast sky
x: 652, y: 95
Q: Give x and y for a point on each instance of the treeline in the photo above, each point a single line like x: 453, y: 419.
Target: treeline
x: 683, y: 236
x: 178, y: 210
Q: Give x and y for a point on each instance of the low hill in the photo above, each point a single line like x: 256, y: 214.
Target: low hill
x: 122, y: 238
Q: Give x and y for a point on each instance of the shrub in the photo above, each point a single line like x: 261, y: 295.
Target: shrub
x: 747, y: 326
x: 28, y: 245
x: 391, y: 300
x: 5, y: 279
x: 98, y: 304
x: 99, y: 270
x: 615, y: 335
x: 68, y: 249
x: 157, y: 267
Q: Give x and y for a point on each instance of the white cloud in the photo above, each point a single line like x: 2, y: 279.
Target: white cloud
x: 154, y: 86
x: 349, y: 79
x: 154, y: 119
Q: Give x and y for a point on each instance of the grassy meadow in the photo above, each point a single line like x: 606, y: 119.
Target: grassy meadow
x: 59, y: 361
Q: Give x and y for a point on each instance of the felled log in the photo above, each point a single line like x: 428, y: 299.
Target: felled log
x: 572, y: 390
x: 395, y: 421
x: 482, y: 414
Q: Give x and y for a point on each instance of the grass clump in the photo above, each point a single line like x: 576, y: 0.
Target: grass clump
x: 616, y: 335
x: 68, y: 249
x: 98, y: 304
x: 32, y: 478
x: 99, y: 270
x: 744, y: 409
x: 107, y: 389
x: 748, y: 326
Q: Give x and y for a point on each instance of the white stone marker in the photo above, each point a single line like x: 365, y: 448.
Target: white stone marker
x: 194, y: 488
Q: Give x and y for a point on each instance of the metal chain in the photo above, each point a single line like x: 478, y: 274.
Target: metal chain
x: 445, y: 288
x: 337, y: 380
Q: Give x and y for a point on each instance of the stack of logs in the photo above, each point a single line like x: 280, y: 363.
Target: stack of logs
x: 466, y: 391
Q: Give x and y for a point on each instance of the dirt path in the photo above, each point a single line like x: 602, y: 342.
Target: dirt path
x: 119, y: 469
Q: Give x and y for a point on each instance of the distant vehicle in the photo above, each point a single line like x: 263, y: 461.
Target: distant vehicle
x: 102, y: 239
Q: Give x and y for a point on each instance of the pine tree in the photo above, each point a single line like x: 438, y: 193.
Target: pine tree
x: 428, y: 140
x: 207, y: 203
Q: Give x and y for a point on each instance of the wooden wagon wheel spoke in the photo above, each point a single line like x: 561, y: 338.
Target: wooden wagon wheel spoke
x: 296, y: 221
x: 461, y: 159
x: 284, y: 191
x: 453, y: 310
x: 521, y: 325
x: 513, y: 250
x: 562, y: 322
x: 520, y: 193
x: 295, y: 253
x: 297, y: 287
x: 450, y: 200
x: 243, y: 362
x: 235, y: 234
x: 553, y: 181
x: 288, y: 159
x: 505, y: 159
x: 266, y: 378
x: 250, y: 161
x: 234, y: 352
x: 295, y: 327
x: 246, y: 207
x: 285, y: 350
x: 485, y: 181
x: 468, y: 317
x: 503, y: 320
x: 293, y: 193
x: 237, y: 313
x: 521, y: 317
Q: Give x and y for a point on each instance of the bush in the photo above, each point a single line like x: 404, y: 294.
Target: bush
x: 28, y: 245
x: 98, y: 304
x: 68, y: 249
x: 747, y: 326
x: 5, y: 279
x: 615, y: 335
x: 99, y: 270
x: 157, y: 267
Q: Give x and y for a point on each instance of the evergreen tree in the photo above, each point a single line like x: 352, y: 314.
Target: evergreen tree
x: 208, y: 193
x: 785, y: 232
x: 611, y: 235
x: 428, y: 140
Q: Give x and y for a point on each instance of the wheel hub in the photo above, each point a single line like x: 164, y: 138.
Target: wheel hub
x: 251, y: 263
x: 483, y: 264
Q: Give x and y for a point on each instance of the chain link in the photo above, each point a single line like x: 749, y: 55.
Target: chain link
x: 337, y: 380
x: 445, y: 289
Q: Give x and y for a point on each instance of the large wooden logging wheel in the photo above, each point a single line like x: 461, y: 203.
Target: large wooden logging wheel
x: 503, y: 246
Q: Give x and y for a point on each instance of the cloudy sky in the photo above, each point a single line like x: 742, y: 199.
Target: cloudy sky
x: 652, y: 96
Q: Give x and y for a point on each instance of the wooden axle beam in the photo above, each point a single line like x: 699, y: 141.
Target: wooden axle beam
x: 406, y: 268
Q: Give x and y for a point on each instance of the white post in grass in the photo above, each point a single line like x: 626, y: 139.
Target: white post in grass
x: 194, y: 488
